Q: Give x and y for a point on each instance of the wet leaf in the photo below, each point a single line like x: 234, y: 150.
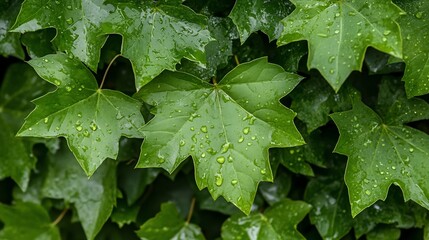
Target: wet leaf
x: 91, y: 119
x: 168, y: 224
x: 9, y: 41
x: 276, y: 191
x: 338, y: 34
x: 277, y: 222
x: 383, y: 151
x: 180, y: 33
x: 253, y: 15
x: 26, y: 221
x: 414, y: 27
x: 93, y: 198
x: 227, y: 128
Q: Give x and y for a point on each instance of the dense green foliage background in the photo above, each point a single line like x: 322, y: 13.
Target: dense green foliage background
x: 246, y: 119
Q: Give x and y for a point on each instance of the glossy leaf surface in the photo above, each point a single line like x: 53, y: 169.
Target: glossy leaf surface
x: 225, y: 129
x: 415, y: 31
x: 92, y: 120
x: 167, y: 224
x: 277, y: 222
x: 382, y: 151
x: 338, y: 33
x: 253, y: 15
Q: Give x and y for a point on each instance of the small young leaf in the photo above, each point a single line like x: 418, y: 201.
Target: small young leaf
x: 253, y: 15
x: 93, y: 198
x: 167, y: 224
x: 92, y: 120
x: 277, y: 222
x: 227, y: 128
x: 338, y: 33
x: 382, y: 153
x: 27, y: 221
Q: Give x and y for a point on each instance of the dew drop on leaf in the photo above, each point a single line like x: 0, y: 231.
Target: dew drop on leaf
x: 220, y: 159
x: 218, y: 180
x: 203, y: 129
x: 246, y: 130
x: 234, y: 182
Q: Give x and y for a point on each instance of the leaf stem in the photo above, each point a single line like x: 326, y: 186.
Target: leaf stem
x: 236, y: 59
x: 60, y: 217
x: 191, y: 211
x: 107, y: 70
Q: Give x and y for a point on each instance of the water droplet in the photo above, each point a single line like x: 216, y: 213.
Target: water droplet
x: 46, y: 60
x: 332, y: 59
x: 68, y: 89
x: 86, y: 133
x: 203, y: 155
x: 46, y: 120
x: 368, y: 192
x: 241, y: 139
x: 384, y: 39
x: 56, y: 82
x: 119, y: 116
x: 234, y: 182
x: 69, y: 7
x: 203, y: 129
x: 263, y: 171
x: 93, y: 126
x: 182, y: 142
x: 79, y: 128
x: 69, y: 21
x: 30, y: 129
x: 411, y: 150
x: 246, y: 130
x: 79, y: 115
x: 225, y: 147
x: 220, y: 159
x: 98, y: 139
x: 322, y: 35
x: 218, y: 180
x: 337, y: 14
x: 387, y: 32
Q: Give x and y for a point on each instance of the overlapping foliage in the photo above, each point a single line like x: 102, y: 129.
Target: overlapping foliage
x: 243, y: 119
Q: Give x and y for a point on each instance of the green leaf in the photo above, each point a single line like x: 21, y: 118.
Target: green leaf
x: 91, y: 119
x: 9, y: 42
x: 414, y: 27
x: 26, y: 221
x: 338, y: 33
x: 277, y: 222
x: 393, y: 211
x: 77, y: 24
x: 38, y: 44
x: 253, y: 15
x: 276, y: 191
x: 18, y: 88
x: 93, y: 198
x: 180, y: 33
x: 331, y: 209
x: 383, y: 151
x: 125, y: 214
x: 227, y: 128
x: 314, y: 100
x: 384, y: 233
x: 167, y: 224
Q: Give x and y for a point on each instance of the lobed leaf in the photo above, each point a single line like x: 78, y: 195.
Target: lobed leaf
x: 227, y: 128
x: 91, y: 119
x: 338, y: 33
x: 383, y: 152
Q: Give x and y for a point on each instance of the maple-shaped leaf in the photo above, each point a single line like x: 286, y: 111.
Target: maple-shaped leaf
x: 77, y: 24
x: 17, y: 90
x: 168, y: 224
x: 382, y: 150
x: 277, y: 222
x: 415, y: 31
x: 26, y: 221
x: 91, y: 119
x: 227, y: 127
x: 156, y: 35
x: 93, y: 198
x: 338, y: 33
x: 252, y: 15
x: 9, y: 41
